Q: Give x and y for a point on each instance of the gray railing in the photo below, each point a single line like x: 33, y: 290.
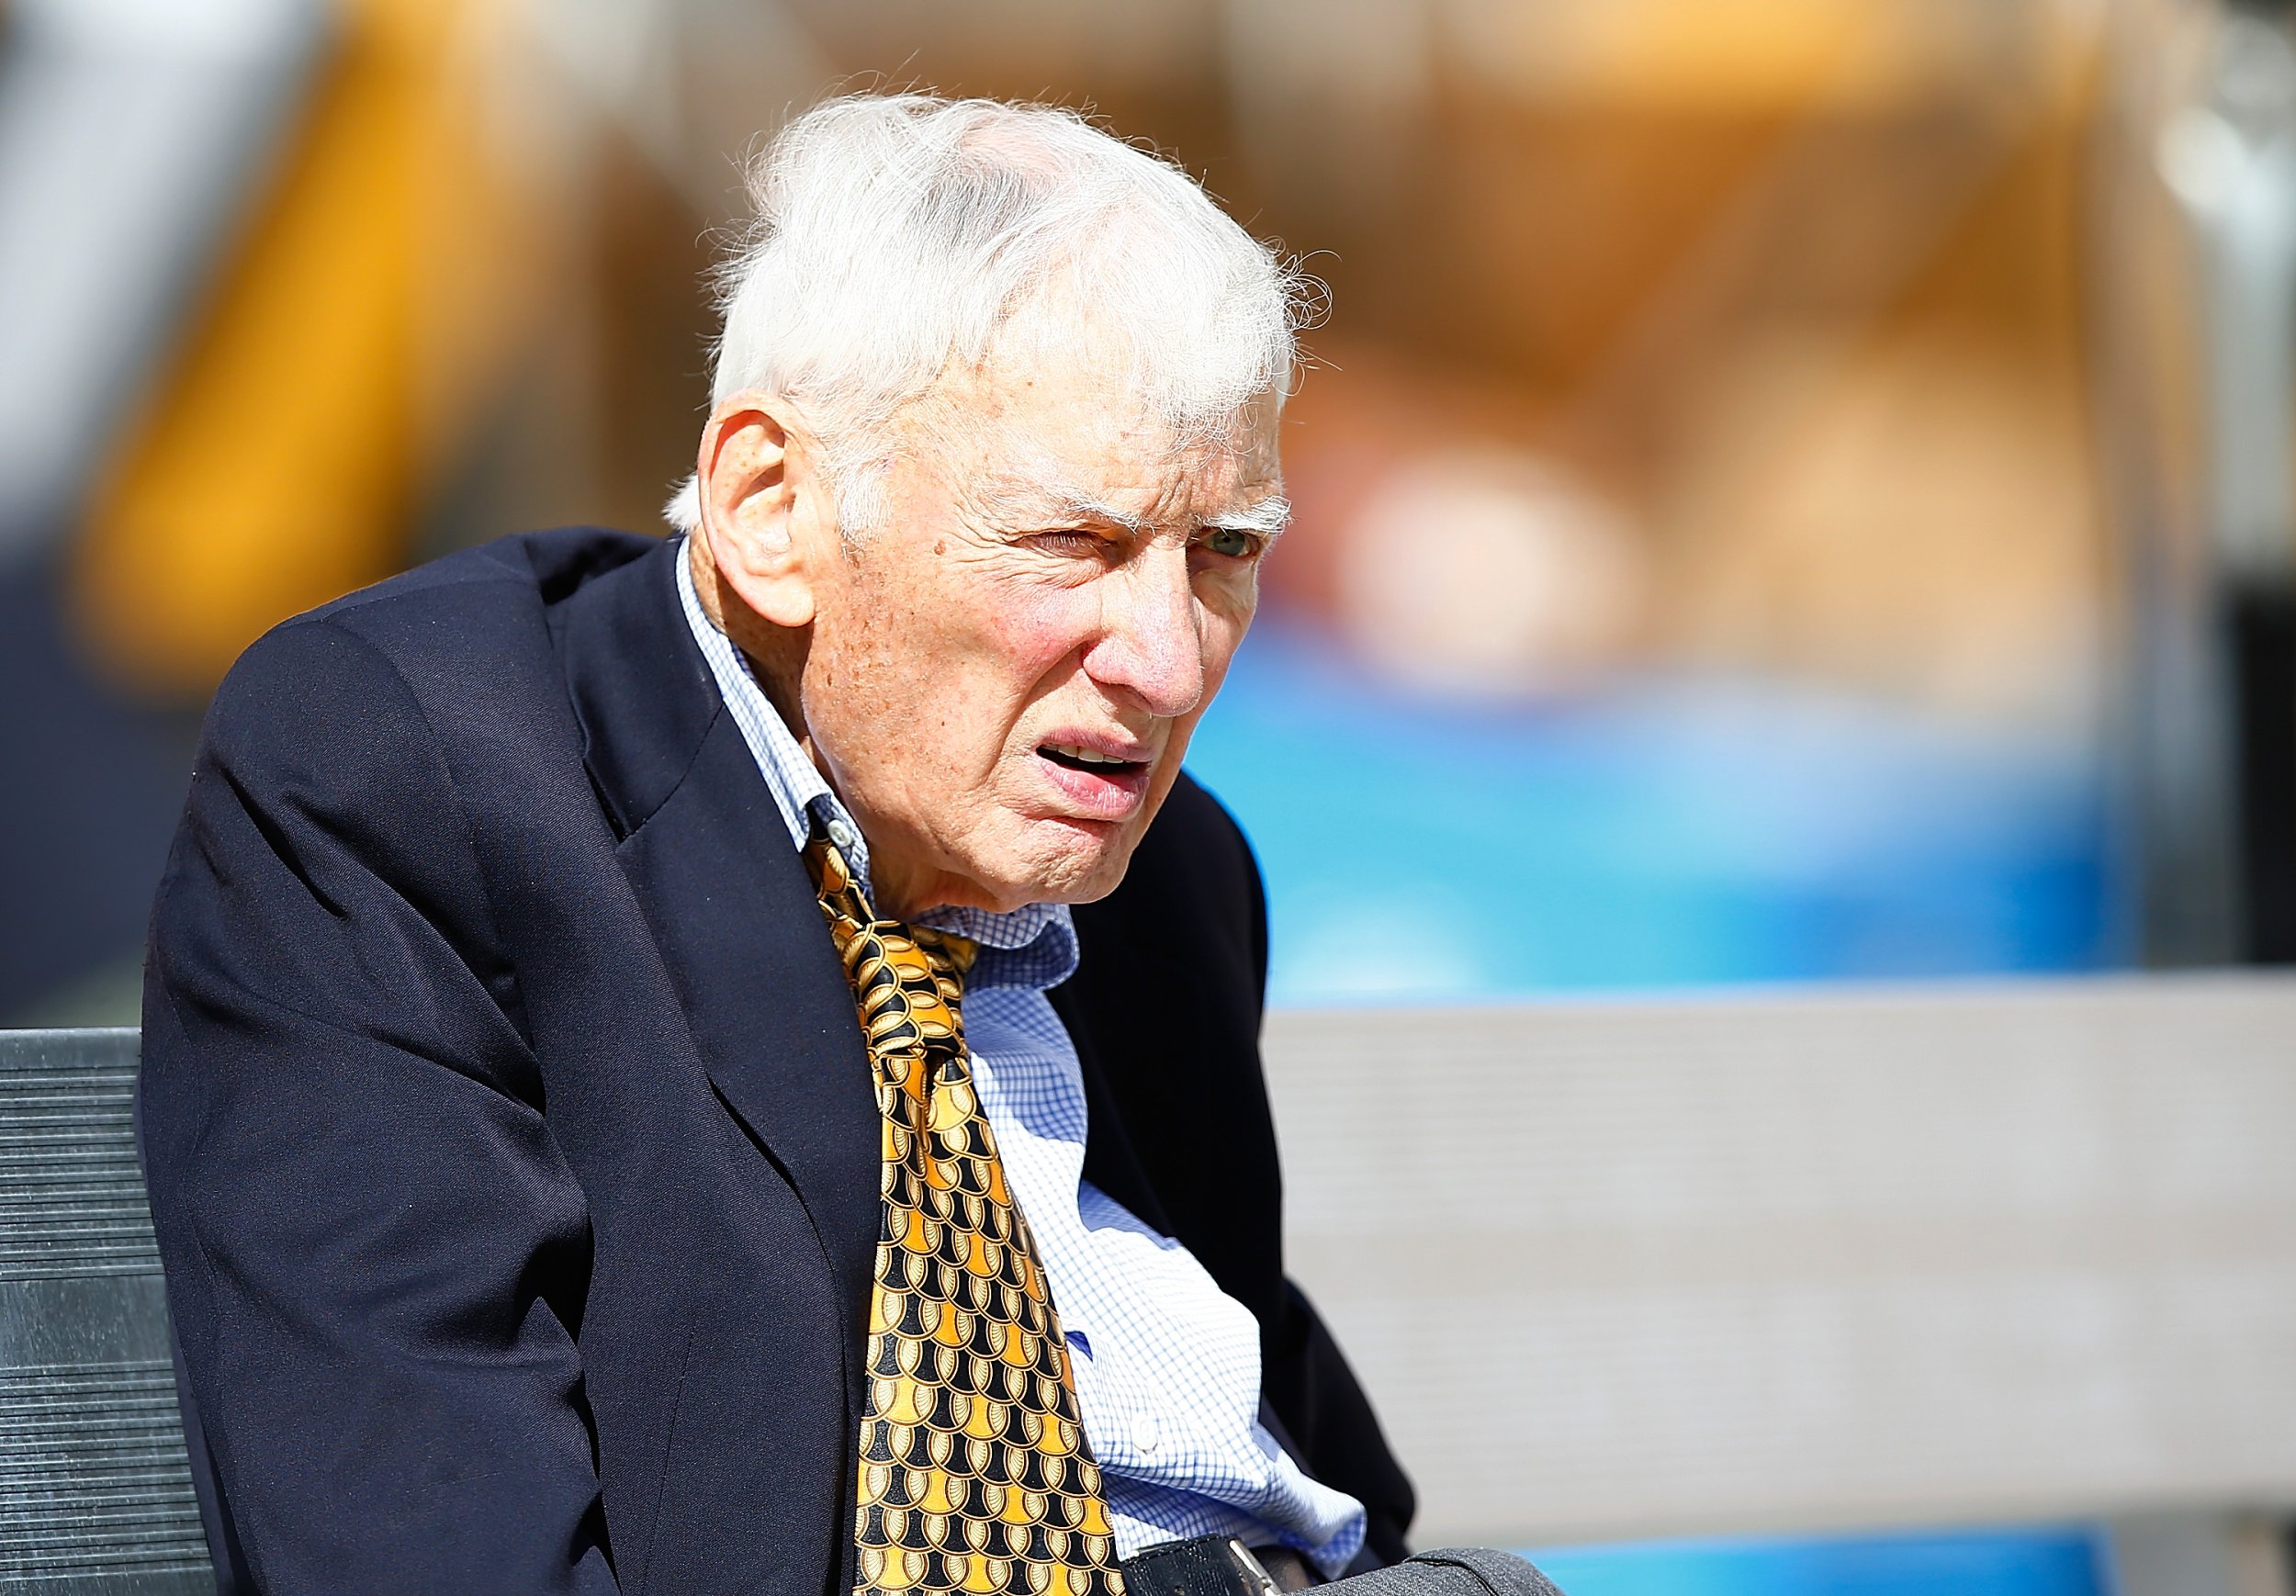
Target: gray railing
x: 96, y: 1496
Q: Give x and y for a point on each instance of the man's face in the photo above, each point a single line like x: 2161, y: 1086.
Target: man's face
x: 1004, y: 675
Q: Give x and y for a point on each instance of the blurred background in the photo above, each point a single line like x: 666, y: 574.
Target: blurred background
x: 1789, y: 489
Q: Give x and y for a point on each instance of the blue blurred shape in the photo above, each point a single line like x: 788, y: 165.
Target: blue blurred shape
x: 2041, y: 1562
x: 1669, y: 831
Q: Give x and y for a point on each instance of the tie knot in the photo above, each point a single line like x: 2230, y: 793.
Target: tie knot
x: 908, y: 980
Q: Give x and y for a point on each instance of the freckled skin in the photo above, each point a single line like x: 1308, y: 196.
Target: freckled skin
x: 925, y: 662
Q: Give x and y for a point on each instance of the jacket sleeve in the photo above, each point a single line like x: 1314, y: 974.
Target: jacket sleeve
x: 1331, y: 1429
x: 1328, y: 1420
x: 376, y: 1255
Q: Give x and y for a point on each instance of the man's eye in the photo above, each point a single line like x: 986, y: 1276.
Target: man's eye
x: 1229, y: 542
x: 1066, y: 540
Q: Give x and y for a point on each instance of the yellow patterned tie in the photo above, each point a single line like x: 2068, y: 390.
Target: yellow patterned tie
x: 974, y: 1475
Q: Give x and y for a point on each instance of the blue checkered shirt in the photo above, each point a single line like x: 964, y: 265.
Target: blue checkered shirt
x: 1167, y: 1364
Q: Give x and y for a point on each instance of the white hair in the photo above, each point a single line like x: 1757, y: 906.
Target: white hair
x: 897, y: 237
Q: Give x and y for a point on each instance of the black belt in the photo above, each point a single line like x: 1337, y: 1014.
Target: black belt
x: 1215, y: 1565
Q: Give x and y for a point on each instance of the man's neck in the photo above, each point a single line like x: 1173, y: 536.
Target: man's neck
x: 776, y: 654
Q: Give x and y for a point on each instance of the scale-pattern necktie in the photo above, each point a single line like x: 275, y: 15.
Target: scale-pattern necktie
x: 974, y: 1475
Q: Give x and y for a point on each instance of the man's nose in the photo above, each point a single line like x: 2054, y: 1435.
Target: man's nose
x: 1150, y: 644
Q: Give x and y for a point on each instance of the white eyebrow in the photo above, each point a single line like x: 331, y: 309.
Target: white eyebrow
x: 1086, y: 507
x: 1267, y: 519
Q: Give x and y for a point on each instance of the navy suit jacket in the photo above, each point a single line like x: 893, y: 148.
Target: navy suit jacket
x: 509, y: 1130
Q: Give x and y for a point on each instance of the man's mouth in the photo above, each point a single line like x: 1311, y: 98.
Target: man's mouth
x: 1076, y: 758
x: 1097, y: 783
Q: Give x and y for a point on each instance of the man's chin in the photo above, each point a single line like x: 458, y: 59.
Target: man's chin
x: 1085, y: 860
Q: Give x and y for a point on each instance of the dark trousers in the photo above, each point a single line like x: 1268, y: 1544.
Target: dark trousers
x: 1452, y: 1571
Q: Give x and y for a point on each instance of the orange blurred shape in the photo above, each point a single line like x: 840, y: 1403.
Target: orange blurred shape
x: 272, y: 468
x: 1731, y: 55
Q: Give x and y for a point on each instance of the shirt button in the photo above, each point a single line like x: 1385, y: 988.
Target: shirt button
x: 843, y: 835
x: 1144, y: 1434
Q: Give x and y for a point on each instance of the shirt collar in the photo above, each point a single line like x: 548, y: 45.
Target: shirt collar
x: 1040, y: 939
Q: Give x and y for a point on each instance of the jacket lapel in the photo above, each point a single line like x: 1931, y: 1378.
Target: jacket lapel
x: 728, y: 900
x: 1111, y: 1162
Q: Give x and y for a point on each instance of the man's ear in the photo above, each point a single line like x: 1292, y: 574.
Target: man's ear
x: 760, y: 498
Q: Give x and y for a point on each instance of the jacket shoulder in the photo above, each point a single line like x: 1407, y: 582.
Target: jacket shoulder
x: 1195, y: 884
x: 550, y: 565
x: 509, y: 582
x: 467, y: 617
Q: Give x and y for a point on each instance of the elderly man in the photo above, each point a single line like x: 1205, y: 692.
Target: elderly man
x: 629, y: 1103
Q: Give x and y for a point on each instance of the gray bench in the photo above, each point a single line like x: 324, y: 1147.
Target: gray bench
x: 1774, y: 1262
x: 1820, y: 1260
x: 95, y: 1494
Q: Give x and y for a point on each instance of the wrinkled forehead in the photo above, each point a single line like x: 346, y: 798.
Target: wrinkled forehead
x: 1138, y: 480
x: 1054, y: 436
